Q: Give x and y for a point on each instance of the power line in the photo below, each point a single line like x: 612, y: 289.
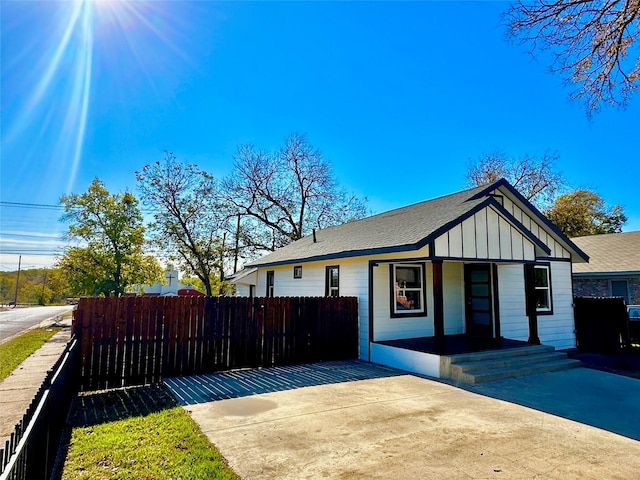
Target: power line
x: 31, y: 205
x: 46, y: 206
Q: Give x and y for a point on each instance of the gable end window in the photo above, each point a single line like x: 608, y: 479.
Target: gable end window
x: 407, y: 290
x: 542, y: 285
x: 297, y: 271
x: 270, y: 283
x: 332, y: 285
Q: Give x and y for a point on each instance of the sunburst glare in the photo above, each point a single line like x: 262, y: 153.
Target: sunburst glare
x: 83, y: 43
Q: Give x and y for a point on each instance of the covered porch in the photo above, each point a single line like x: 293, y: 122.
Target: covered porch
x: 478, y: 319
x: 466, y: 360
x: 453, y: 344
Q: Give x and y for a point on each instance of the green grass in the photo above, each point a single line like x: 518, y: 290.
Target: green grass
x: 16, y: 350
x: 139, y: 434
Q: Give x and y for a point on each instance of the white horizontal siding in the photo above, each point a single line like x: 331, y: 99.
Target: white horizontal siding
x: 387, y: 328
x: 559, y: 329
x: 353, y: 283
x: 242, y: 290
x: 514, y: 322
x: 556, y: 329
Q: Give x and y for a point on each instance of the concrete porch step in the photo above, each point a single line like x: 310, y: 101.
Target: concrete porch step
x: 492, y: 365
x: 530, y: 369
x: 507, y: 352
x: 507, y: 362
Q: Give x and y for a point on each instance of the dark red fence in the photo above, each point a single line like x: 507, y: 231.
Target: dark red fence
x: 139, y: 340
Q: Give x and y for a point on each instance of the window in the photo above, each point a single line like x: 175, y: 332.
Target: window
x: 333, y: 282
x: 620, y: 288
x: 270, y: 283
x: 542, y: 285
x: 297, y: 271
x: 407, y: 290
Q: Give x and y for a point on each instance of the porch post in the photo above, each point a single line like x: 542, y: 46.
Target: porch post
x: 438, y: 305
x: 530, y: 298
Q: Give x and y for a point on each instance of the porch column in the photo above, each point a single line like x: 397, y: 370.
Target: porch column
x: 438, y: 305
x: 530, y: 294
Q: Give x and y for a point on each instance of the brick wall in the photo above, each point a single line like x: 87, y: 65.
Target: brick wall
x: 599, y: 287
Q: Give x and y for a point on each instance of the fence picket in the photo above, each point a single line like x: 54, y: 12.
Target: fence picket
x: 133, y: 341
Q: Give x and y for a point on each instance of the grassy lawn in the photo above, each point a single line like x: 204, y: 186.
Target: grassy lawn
x: 138, y: 433
x: 16, y: 350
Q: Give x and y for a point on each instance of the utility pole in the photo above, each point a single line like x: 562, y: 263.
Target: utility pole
x: 15, y: 298
x: 44, y: 284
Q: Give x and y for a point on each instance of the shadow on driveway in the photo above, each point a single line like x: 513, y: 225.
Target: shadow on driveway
x: 603, y: 400
x: 193, y: 389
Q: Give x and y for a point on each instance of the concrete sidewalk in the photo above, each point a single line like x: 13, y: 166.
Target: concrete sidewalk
x: 405, y: 426
x: 19, y: 388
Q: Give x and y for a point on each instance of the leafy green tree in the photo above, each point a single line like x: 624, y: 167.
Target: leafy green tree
x: 7, y: 288
x: 536, y: 178
x: 594, y: 44
x: 113, y: 258
x: 188, y: 221
x: 583, y: 212
x: 218, y: 287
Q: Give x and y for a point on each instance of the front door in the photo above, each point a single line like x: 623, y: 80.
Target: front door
x: 478, y: 301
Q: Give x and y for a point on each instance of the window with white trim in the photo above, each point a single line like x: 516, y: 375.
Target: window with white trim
x: 332, y: 288
x: 270, y: 283
x: 542, y: 285
x: 407, y: 290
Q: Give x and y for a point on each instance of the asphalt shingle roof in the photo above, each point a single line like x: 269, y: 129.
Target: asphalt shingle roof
x: 402, y: 227
x: 612, y: 252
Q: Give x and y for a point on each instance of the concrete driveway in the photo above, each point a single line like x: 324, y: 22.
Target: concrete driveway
x: 395, y: 425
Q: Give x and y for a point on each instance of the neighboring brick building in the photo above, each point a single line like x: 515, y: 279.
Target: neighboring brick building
x: 613, y: 268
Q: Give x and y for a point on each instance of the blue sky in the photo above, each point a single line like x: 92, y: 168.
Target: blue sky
x: 400, y: 97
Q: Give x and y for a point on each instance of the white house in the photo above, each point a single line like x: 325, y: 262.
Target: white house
x: 171, y: 286
x: 472, y: 270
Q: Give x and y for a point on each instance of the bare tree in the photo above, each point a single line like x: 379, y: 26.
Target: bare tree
x: 594, y: 44
x: 187, y: 219
x: 281, y: 196
x: 535, y: 178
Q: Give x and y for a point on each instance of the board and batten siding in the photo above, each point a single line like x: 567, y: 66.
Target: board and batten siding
x: 486, y: 235
x: 534, y: 226
x: 557, y: 329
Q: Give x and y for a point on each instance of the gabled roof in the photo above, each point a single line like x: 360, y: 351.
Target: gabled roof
x: 612, y: 253
x: 403, y: 229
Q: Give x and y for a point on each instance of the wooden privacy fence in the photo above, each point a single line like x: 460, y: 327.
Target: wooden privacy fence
x: 602, y: 324
x: 139, y: 340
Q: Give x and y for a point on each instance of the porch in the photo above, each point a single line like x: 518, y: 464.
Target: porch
x: 470, y: 360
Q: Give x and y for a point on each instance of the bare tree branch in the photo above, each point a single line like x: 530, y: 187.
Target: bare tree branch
x: 594, y: 44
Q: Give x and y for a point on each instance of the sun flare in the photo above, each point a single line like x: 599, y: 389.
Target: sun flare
x: 83, y: 45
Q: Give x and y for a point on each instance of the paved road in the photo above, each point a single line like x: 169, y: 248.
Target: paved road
x: 18, y: 319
